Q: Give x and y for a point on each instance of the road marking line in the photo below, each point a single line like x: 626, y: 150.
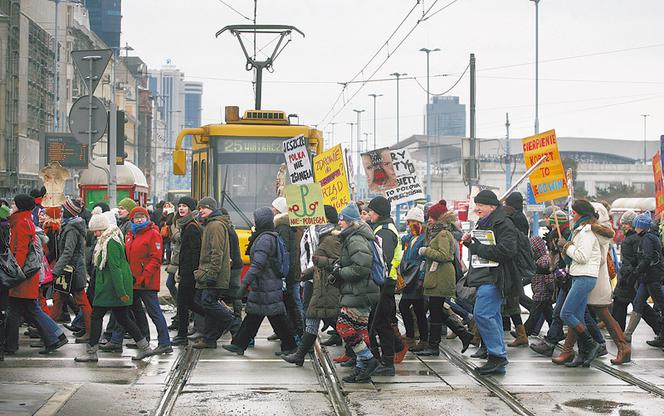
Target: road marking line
x: 58, y: 400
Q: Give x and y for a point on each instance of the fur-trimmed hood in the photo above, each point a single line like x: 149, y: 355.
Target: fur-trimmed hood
x: 602, y: 230
x: 281, y: 219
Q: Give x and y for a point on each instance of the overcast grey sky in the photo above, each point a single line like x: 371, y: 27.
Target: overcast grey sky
x: 601, y: 95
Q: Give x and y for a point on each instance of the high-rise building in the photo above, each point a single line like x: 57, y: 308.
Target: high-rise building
x: 193, y: 95
x: 446, y: 117
x: 106, y: 20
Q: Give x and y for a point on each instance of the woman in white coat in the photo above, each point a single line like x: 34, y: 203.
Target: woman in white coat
x: 583, y: 255
x: 601, y: 296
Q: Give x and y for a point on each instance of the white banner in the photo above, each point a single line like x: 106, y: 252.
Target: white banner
x: 297, y: 160
x: 408, y: 188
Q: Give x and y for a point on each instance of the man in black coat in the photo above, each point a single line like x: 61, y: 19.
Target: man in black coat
x: 515, y: 200
x: 492, y: 282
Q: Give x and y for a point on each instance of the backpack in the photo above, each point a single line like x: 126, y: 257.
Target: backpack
x: 398, y: 249
x: 282, y: 261
x: 525, y: 263
x: 378, y: 269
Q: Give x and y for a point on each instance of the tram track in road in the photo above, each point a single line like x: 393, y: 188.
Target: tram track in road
x: 621, y: 375
x: 177, y: 378
x: 487, y: 382
x: 327, y: 376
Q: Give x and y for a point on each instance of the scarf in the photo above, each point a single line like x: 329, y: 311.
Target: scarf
x: 415, y: 228
x: 138, y: 227
x: 433, y: 230
x: 578, y: 223
x: 66, y: 221
x: 100, y: 253
x: 483, y: 222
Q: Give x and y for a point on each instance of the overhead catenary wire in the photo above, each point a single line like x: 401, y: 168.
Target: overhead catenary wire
x: 450, y: 88
x: 235, y: 10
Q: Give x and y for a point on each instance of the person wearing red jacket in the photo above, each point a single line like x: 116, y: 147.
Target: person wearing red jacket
x: 23, y: 298
x: 144, y: 249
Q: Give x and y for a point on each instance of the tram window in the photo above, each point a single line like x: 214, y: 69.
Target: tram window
x: 204, y: 176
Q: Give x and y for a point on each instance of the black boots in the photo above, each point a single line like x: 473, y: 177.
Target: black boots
x: 493, y: 365
x: 297, y: 357
x: 464, y: 335
x: 386, y: 367
x: 433, y: 349
x: 588, y: 347
x: 334, y: 339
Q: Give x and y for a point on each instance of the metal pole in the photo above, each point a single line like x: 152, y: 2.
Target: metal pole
x: 56, y: 95
x: 259, y: 84
x: 374, y: 118
x: 359, y: 134
x: 536, y: 66
x: 112, y: 144
x: 508, y: 154
x: 398, y: 75
x: 473, y: 162
x: 645, y: 155
x: 426, y: 131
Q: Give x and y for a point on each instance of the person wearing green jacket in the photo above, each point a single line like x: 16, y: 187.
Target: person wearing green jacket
x: 113, y: 288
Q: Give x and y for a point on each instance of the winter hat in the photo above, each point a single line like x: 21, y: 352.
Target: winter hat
x: 103, y: 205
x: 98, y: 221
x: 602, y: 213
x: 24, y: 202
x: 436, y: 210
x: 4, y: 212
x: 208, y: 202
x: 331, y: 214
x: 350, y: 213
x: 188, y: 201
x: 415, y: 214
x: 71, y: 208
x: 538, y: 246
x: 128, y: 204
x: 280, y: 204
x: 139, y: 211
x: 628, y: 217
x: 381, y: 206
x: 584, y: 208
x: 642, y: 221
x: 38, y: 193
x: 559, y: 216
x: 487, y: 197
x: 515, y: 200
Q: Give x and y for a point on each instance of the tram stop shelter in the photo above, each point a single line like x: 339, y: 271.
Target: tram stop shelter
x: 131, y: 182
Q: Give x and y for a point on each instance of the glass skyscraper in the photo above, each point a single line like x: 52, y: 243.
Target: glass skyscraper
x: 106, y: 20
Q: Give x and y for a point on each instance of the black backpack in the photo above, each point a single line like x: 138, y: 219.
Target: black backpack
x: 525, y: 263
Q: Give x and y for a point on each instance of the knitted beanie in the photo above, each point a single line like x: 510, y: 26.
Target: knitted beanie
x: 627, y: 217
x: 559, y: 216
x: 71, y: 208
x: 381, y: 206
x: 415, y: 214
x: 24, y: 202
x: 486, y: 197
x: 208, y: 202
x: 436, y: 210
x: 127, y: 204
x: 139, y: 210
x: 280, y: 205
x: 98, y: 221
x: 643, y: 221
x: 350, y: 213
x: 188, y: 201
x: 4, y: 212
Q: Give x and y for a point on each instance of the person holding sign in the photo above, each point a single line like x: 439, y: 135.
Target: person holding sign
x: 113, y: 288
x: 494, y: 281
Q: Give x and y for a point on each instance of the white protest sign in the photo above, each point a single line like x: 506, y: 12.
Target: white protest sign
x: 297, y: 160
x: 408, y: 188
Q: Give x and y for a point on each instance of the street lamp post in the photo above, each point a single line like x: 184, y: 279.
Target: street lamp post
x: 426, y: 127
x: 536, y: 65
x: 374, y: 118
x: 398, y: 75
x: 645, y: 124
x: 359, y: 136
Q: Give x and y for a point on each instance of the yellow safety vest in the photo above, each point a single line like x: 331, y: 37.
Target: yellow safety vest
x: 398, y: 251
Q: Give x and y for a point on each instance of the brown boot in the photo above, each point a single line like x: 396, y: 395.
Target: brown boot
x: 567, y: 354
x: 477, y: 340
x: 624, y: 350
x: 521, y: 337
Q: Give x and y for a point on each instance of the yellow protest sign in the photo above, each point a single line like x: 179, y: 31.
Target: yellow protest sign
x: 548, y: 180
x: 305, y: 205
x: 330, y: 173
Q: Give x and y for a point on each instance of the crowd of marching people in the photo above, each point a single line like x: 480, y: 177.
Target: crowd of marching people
x: 352, y: 275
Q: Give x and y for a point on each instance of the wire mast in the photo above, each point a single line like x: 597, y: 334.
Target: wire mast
x: 252, y: 62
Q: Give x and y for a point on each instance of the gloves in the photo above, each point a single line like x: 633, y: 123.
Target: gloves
x: 124, y: 298
x: 561, y: 243
x: 421, y: 251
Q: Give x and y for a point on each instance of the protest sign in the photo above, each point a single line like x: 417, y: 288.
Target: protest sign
x: 548, y: 180
x: 408, y: 188
x: 305, y: 205
x: 297, y: 160
x: 659, y: 182
x: 380, y: 170
x: 330, y: 172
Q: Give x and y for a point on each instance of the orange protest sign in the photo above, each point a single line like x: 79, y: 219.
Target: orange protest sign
x: 659, y: 182
x: 548, y: 180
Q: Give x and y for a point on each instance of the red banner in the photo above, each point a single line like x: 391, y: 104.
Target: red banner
x: 659, y: 182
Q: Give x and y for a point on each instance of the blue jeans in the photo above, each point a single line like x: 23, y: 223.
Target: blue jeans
x: 555, y: 332
x: 52, y: 330
x: 151, y: 302
x: 218, y: 318
x: 295, y: 307
x: 458, y: 309
x: 645, y: 290
x: 574, y: 308
x: 172, y: 287
x: 489, y: 320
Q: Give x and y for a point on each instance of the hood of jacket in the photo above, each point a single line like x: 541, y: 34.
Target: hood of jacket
x: 264, y: 219
x: 77, y: 224
x: 360, y: 228
x: 603, y: 230
x: 281, y: 219
x: 216, y: 218
x: 325, y: 229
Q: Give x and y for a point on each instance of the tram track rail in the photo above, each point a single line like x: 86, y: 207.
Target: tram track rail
x: 487, y: 382
x: 177, y: 378
x: 622, y: 375
x: 328, y: 378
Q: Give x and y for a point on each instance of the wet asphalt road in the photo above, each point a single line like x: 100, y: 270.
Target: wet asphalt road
x: 259, y: 383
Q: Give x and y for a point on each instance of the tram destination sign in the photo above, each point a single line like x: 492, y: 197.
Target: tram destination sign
x: 64, y: 149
